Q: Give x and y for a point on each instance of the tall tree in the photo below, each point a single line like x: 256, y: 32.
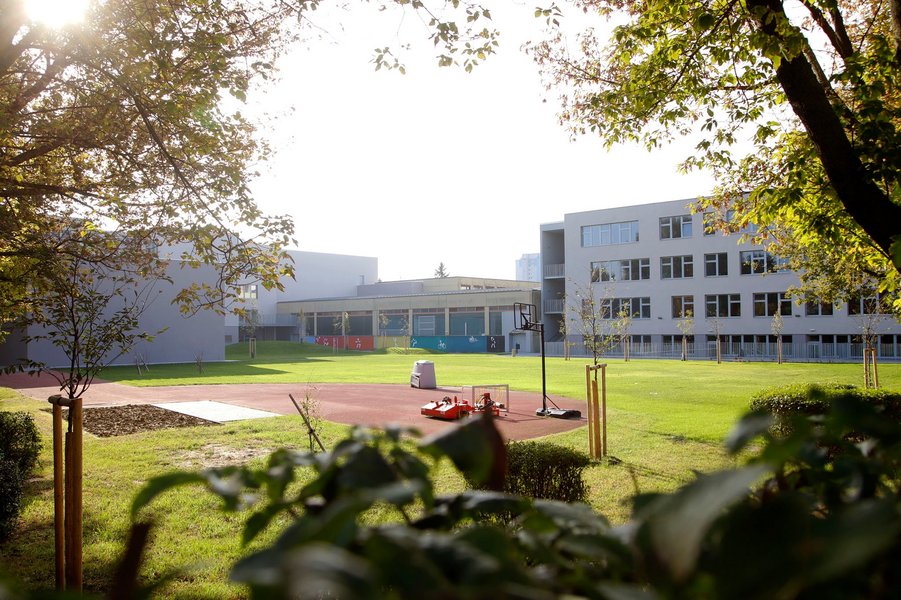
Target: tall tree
x: 130, y: 121
x: 441, y: 271
x: 117, y: 123
x: 795, y: 111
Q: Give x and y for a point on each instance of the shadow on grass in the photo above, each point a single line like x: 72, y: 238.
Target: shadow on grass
x: 187, y: 371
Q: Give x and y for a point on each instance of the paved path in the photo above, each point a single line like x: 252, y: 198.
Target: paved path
x: 352, y: 404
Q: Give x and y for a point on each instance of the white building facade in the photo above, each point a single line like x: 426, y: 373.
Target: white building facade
x: 316, y: 275
x: 659, y: 263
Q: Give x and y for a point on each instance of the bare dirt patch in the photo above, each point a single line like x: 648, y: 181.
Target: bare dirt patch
x: 108, y: 421
x: 218, y: 455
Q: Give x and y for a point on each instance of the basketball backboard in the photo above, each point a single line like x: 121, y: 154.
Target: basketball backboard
x: 524, y: 316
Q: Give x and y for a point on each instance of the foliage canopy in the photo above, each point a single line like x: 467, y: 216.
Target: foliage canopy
x: 794, y: 107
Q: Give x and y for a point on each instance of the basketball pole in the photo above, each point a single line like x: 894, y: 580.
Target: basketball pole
x: 543, y: 377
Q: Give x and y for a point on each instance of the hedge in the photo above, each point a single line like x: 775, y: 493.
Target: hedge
x: 545, y: 470
x: 787, y: 403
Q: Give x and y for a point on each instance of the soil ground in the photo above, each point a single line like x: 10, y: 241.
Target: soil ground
x: 353, y: 404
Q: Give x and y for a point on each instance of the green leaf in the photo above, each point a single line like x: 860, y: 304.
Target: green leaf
x: 677, y: 523
x: 162, y: 483
x: 476, y: 448
x: 750, y: 426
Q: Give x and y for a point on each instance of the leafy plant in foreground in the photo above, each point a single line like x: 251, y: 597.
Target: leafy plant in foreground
x: 797, y: 521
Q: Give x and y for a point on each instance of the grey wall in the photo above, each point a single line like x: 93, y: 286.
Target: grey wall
x: 180, y: 338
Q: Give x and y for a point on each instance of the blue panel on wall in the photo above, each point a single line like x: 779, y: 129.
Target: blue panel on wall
x: 459, y: 343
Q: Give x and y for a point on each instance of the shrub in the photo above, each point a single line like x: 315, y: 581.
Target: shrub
x: 20, y: 441
x: 10, y: 497
x: 544, y: 470
x: 20, y: 444
x: 791, y: 402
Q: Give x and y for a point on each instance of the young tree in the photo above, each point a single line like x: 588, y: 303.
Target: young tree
x: 595, y: 321
x: 821, y: 177
x: 620, y: 327
x: 777, y: 324
x: 716, y: 328
x: 686, y: 325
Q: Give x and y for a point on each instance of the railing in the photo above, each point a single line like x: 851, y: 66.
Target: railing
x: 552, y: 271
x: 793, y: 352
x: 553, y: 306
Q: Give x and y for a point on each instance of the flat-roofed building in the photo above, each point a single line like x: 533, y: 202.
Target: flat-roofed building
x: 659, y: 261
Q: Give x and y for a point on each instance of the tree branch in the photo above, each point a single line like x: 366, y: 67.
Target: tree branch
x: 864, y: 201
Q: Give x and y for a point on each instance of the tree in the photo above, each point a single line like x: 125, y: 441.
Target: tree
x: 777, y: 324
x: 716, y: 328
x: 821, y: 179
x: 441, y: 271
x: 686, y: 325
x: 120, y: 123
x: 620, y: 327
x: 601, y: 326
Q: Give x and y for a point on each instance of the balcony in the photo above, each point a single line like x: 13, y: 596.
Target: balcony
x: 555, y: 271
x: 550, y: 307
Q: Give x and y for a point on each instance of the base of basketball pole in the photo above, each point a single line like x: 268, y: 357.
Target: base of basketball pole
x: 559, y: 413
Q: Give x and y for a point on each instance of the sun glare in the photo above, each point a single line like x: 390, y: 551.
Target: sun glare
x: 56, y: 13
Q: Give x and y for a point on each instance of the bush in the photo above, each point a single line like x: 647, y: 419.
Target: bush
x: 10, y: 497
x: 20, y: 441
x: 20, y: 444
x: 788, y: 403
x: 544, y: 470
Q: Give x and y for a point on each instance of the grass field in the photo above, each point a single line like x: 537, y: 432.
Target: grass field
x: 666, y: 421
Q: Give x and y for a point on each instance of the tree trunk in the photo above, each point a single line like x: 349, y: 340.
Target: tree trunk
x: 864, y: 201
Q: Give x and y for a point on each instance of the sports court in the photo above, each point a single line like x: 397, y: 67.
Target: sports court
x: 352, y: 404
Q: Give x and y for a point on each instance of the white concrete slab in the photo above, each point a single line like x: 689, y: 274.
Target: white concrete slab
x: 218, y: 412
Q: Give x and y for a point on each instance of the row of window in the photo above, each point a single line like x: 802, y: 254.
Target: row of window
x: 625, y: 232
x: 716, y: 264
x: 764, y: 304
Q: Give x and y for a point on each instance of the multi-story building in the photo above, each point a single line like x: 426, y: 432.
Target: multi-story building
x: 528, y: 267
x: 658, y: 263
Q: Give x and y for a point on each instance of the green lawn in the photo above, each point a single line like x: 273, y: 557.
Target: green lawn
x: 666, y: 421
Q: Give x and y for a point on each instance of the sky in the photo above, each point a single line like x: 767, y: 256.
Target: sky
x: 438, y: 165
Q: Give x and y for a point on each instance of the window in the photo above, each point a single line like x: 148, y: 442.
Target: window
x: 683, y: 306
x: 675, y: 227
x: 709, y: 223
x: 760, y: 261
x: 868, y: 305
x: 609, y: 233
x: 769, y: 303
x: 716, y: 265
x: 815, y: 308
x: 676, y: 267
x: 638, y: 308
x: 722, y: 305
x: 249, y: 291
x: 632, y: 269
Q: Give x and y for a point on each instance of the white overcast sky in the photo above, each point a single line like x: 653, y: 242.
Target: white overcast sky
x: 437, y: 165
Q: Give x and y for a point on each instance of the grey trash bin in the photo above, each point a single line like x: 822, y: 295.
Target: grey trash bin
x: 423, y: 375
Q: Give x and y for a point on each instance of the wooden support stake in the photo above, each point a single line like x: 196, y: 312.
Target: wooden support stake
x: 68, y: 507
x: 591, y: 448
x: 604, y: 408
x: 77, y: 499
x: 310, y: 429
x: 598, y: 446
x: 59, y: 498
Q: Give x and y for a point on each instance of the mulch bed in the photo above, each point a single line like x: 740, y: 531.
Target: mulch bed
x: 108, y: 421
